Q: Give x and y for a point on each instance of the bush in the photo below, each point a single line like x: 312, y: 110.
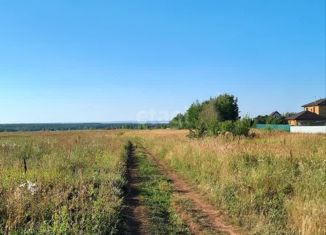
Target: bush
x: 226, y: 126
x: 242, y: 127
x: 239, y: 127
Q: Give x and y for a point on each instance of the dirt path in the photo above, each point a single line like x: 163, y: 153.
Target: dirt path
x: 203, y: 210
x: 135, y: 216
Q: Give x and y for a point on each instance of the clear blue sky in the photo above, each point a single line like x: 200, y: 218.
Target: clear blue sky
x: 102, y: 61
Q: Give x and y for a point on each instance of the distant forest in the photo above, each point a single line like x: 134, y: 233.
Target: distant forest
x: 78, y: 126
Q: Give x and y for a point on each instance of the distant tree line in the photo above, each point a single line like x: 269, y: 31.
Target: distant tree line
x: 215, y: 116
x: 268, y: 119
x: 78, y: 126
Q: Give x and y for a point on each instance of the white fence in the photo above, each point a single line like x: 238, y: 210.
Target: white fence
x: 308, y: 129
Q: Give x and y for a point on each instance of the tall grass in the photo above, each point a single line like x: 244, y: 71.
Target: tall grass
x: 59, y: 183
x: 72, y: 182
x: 274, y: 183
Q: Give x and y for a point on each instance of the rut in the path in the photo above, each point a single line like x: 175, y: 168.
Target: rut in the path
x: 213, y: 218
x: 135, y: 217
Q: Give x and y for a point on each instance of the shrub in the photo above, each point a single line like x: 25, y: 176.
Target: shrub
x: 226, y: 126
x: 242, y: 127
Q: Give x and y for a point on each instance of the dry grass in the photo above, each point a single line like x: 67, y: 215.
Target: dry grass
x: 273, y: 183
x: 73, y: 182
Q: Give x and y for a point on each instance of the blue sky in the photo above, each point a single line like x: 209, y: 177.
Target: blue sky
x: 102, y: 61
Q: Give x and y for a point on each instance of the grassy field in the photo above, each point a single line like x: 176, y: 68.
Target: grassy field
x: 59, y: 183
x: 274, y: 183
x: 74, y: 182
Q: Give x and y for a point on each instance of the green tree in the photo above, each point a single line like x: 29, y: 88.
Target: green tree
x: 208, y: 117
x: 227, y: 107
x: 260, y: 119
x: 214, y: 116
x: 275, y: 120
x: 192, y: 115
x: 178, y: 122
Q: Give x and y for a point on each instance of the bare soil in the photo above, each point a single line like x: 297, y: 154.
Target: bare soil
x: 135, y: 215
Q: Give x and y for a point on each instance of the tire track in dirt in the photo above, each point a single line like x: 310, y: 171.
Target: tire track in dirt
x: 212, y: 217
x: 134, y: 214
